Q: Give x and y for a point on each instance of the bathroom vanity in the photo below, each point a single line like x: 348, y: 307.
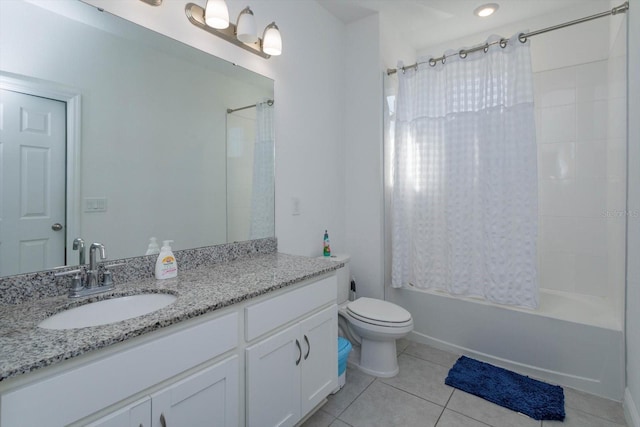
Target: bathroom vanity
x: 249, y: 342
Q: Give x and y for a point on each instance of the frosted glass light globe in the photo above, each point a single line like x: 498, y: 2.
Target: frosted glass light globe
x: 272, y: 40
x: 246, y: 29
x: 216, y: 14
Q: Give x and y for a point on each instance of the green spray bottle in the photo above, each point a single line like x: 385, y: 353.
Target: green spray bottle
x: 326, y: 250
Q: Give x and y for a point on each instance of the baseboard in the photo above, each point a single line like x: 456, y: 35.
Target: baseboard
x: 631, y: 410
x: 588, y: 385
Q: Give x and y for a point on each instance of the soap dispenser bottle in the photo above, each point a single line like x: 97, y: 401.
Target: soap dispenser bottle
x: 166, y: 265
x: 153, y: 247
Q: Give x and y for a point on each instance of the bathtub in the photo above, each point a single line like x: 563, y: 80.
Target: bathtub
x: 571, y: 340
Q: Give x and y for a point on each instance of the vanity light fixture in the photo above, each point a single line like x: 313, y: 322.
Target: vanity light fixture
x: 243, y: 34
x: 152, y: 2
x: 486, y: 9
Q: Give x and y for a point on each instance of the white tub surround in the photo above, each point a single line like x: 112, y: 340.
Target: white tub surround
x: 568, y: 341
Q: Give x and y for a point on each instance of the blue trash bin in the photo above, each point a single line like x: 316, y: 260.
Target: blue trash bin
x: 344, y: 348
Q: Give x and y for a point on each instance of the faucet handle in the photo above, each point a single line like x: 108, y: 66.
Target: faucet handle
x: 107, y: 276
x: 68, y: 273
x: 117, y: 264
x: 76, y: 281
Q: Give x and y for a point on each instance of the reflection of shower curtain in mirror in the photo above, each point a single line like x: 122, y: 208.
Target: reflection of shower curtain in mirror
x: 262, y: 197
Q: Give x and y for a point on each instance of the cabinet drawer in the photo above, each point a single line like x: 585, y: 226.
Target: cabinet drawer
x: 267, y: 315
x: 81, y: 391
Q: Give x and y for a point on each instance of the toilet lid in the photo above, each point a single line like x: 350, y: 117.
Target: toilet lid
x: 378, y: 310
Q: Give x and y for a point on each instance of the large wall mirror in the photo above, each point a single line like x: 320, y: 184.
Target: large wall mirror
x: 116, y: 134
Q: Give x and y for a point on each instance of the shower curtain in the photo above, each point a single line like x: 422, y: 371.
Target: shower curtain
x: 464, y: 193
x: 262, y: 196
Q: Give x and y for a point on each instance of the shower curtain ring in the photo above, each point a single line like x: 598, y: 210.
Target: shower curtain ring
x: 486, y: 48
x: 432, y: 62
x: 522, y: 38
x: 462, y: 53
x: 444, y: 58
x: 503, y: 43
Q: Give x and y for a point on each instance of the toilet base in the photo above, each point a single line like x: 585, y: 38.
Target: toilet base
x: 379, y: 358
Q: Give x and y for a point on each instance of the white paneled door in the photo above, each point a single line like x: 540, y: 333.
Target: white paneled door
x: 32, y: 182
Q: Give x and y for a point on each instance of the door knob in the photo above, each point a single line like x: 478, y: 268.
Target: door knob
x: 56, y: 227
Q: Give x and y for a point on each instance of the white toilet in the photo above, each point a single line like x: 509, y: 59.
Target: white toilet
x: 373, y: 324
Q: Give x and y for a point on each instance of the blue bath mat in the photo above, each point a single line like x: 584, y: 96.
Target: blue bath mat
x: 537, y: 399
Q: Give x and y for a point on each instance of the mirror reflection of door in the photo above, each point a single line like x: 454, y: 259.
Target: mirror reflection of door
x: 32, y: 183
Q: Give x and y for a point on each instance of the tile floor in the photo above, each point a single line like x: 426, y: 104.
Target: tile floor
x: 417, y: 396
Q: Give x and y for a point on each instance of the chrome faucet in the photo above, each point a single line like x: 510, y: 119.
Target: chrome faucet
x: 92, y: 273
x: 85, y: 281
x: 78, y: 245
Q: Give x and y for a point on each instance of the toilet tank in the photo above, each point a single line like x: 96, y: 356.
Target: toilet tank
x: 344, y: 276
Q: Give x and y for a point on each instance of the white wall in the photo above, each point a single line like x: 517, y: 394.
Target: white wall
x: 372, y: 46
x: 580, y: 114
x: 632, y: 395
x: 363, y: 155
x: 578, y: 44
x: 309, y: 96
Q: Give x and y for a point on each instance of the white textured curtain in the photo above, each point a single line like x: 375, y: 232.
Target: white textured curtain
x: 464, y: 192
x: 262, y: 196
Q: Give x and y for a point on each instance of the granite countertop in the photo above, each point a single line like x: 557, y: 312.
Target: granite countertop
x: 24, y: 347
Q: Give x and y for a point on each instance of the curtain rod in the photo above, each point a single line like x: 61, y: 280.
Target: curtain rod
x: 522, y: 37
x: 233, y: 110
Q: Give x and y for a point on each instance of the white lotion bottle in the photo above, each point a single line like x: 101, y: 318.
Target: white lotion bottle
x: 166, y: 265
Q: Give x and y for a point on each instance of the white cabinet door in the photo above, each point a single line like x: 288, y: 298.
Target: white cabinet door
x: 208, y: 398
x: 273, y: 380
x: 137, y: 414
x: 320, y: 357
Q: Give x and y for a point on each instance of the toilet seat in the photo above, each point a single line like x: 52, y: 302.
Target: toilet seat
x: 379, y: 313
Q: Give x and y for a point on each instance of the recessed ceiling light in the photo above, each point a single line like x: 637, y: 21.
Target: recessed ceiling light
x: 486, y: 9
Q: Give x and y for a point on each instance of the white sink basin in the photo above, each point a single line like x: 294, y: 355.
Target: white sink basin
x: 107, y: 311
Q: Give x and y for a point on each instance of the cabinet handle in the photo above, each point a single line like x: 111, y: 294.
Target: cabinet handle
x: 163, y: 422
x: 299, y: 355
x: 308, y: 347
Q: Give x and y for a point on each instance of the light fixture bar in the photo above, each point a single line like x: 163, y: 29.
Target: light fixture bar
x: 152, y: 2
x: 195, y: 14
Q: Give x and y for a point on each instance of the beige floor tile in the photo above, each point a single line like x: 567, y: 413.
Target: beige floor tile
x: 594, y: 405
x: 384, y: 406
x: 454, y: 419
x: 422, y: 378
x: 319, y: 419
x: 401, y: 345
x: 355, y: 384
x: 575, y: 418
x: 431, y: 354
x: 487, y: 412
x: 339, y: 423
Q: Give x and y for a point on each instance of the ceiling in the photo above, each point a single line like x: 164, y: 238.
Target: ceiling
x: 424, y: 23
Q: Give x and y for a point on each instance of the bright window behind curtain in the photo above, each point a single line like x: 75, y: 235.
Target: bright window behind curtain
x: 464, y: 198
